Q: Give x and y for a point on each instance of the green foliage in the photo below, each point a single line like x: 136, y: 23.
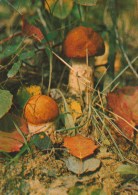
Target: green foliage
x: 86, y: 2
x: 41, y: 141
x: 26, y: 55
x: 76, y: 191
x: 127, y: 170
x: 22, y: 97
x: 5, y: 102
x: 9, y: 50
x: 14, y: 70
x: 98, y: 192
x: 60, y: 9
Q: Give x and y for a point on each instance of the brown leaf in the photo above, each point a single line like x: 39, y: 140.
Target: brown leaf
x: 80, y: 146
x: 124, y: 103
x: 31, y: 31
x: 10, y: 139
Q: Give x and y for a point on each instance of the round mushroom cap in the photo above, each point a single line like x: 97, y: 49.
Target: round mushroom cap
x: 40, y: 109
x: 82, y: 39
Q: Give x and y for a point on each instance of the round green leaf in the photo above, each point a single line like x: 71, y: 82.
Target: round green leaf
x: 41, y: 141
x: 59, y: 8
x: 5, y: 102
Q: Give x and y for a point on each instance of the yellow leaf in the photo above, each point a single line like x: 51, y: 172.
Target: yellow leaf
x: 34, y: 90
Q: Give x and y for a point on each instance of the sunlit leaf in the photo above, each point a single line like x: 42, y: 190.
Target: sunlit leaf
x: 59, y: 8
x: 5, y: 102
x: 14, y: 70
x: 124, y: 103
x: 80, y: 146
x: 34, y: 90
x: 75, y: 109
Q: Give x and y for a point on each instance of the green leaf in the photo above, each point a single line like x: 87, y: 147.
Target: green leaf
x: 5, y: 102
x: 26, y: 55
x: 22, y: 97
x: 59, y: 8
x: 68, y: 119
x: 86, y: 2
x: 98, y: 192
x: 127, y: 170
x: 52, y: 36
x: 75, y: 191
x: 13, y: 71
x: 9, y: 50
x: 41, y: 141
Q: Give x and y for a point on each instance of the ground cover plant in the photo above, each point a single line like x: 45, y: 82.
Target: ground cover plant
x: 68, y: 97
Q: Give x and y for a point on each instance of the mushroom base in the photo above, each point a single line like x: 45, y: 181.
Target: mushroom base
x: 80, y: 78
x: 49, y: 129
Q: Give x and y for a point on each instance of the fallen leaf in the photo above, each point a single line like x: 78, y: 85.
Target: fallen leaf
x: 31, y: 31
x: 82, y: 166
x: 10, y: 139
x: 124, y: 103
x: 80, y: 146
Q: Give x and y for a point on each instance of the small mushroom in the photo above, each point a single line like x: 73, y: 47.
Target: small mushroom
x: 40, y: 112
x: 81, y: 45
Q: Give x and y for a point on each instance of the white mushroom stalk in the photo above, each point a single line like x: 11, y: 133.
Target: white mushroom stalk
x: 81, y: 45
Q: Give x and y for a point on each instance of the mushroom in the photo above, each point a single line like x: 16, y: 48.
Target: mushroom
x: 81, y: 45
x: 40, y: 112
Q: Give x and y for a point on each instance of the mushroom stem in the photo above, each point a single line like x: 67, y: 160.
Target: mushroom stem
x: 49, y: 128
x: 81, y: 77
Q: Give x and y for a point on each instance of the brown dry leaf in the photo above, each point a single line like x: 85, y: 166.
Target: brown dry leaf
x: 31, y: 31
x: 80, y: 146
x: 124, y: 103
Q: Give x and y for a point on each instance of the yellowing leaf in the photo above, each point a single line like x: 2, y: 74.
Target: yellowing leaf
x: 59, y: 8
x: 75, y: 109
x: 34, y: 90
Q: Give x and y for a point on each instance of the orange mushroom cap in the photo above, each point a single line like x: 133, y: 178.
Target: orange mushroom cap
x: 81, y: 39
x: 40, y: 109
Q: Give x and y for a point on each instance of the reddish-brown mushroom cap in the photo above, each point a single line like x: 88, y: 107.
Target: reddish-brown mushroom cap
x: 40, y: 109
x: 81, y: 39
